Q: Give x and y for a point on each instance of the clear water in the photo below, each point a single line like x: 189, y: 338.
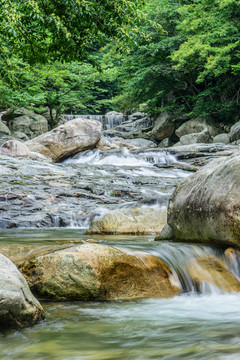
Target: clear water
x: 187, y: 327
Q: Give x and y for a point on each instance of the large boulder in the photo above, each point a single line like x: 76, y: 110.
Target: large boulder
x: 67, y: 139
x: 198, y: 125
x: 130, y: 221
x: 163, y: 127
x: 211, y: 270
x: 14, y: 148
x: 99, y: 272
x: 205, y: 207
x: 19, y: 308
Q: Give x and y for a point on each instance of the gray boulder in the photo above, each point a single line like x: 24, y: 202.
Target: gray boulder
x: 196, y: 126
x: 222, y: 138
x: 31, y: 125
x: 194, y: 138
x: 163, y: 127
x: 20, y: 135
x: 19, y: 308
x: 205, y: 207
x: 67, y: 139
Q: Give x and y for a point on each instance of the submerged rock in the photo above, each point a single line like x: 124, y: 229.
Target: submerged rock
x: 19, y: 308
x: 67, y: 139
x: 205, y: 206
x: 211, y: 270
x: 130, y: 221
x: 99, y: 272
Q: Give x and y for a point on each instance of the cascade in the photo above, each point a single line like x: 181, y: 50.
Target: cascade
x: 108, y: 121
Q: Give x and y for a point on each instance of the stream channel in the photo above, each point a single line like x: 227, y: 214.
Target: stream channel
x: 203, y: 326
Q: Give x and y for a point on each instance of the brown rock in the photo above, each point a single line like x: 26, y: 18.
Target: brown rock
x: 99, y: 272
x: 67, y: 139
x: 213, y: 271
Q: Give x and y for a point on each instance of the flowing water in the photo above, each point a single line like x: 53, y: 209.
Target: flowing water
x: 191, y: 326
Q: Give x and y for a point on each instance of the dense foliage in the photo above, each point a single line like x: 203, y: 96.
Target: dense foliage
x: 49, y: 51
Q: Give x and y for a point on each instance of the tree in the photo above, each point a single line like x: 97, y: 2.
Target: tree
x: 211, y: 53
x: 42, y: 31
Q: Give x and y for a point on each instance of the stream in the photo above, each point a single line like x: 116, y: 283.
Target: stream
x: 201, y: 326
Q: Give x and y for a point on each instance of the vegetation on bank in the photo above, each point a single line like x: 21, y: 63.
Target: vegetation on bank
x: 94, y: 56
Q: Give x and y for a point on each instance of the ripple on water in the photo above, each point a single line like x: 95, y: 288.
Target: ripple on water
x: 185, y: 327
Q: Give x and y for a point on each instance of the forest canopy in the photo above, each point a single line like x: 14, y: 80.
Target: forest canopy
x: 95, y: 56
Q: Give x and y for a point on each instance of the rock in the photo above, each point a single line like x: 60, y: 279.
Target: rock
x: 222, y: 138
x: 198, y: 125
x: 46, y: 114
x: 201, y: 154
x: 39, y: 157
x: 19, y: 308
x: 140, y: 143
x: 166, y: 143
x: 193, y: 138
x: 104, y: 144
x: 20, y: 135
x: 211, y: 270
x: 235, y: 132
x: 136, y: 116
x: 4, y: 130
x: 99, y: 272
x: 14, y: 148
x: 135, y: 125
x: 165, y: 234
x: 32, y: 125
x: 14, y: 113
x: 130, y: 221
x: 67, y: 139
x: 4, y: 138
x: 205, y: 206
x: 163, y: 127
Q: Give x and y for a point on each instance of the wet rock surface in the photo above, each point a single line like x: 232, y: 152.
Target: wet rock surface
x: 99, y: 272
x: 212, y: 270
x: 19, y: 308
x: 84, y: 188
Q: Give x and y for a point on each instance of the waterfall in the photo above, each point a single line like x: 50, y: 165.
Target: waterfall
x: 109, y: 121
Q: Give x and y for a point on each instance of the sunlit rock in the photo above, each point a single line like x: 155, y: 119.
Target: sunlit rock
x: 67, y: 139
x: 212, y: 270
x: 130, y: 221
x: 99, y: 272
